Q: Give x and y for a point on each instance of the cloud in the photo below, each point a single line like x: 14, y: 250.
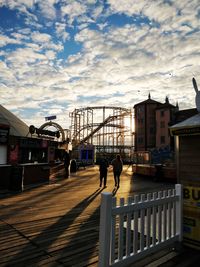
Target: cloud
x: 22, y: 6
x: 97, y: 12
x: 19, y: 36
x: 61, y: 31
x: 5, y: 40
x: 40, y: 37
x: 116, y: 66
x: 47, y: 9
x: 44, y: 41
x: 50, y: 54
x: 73, y: 10
x: 6, y: 74
x: 24, y: 56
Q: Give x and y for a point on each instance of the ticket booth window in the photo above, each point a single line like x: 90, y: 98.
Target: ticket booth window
x: 3, y: 154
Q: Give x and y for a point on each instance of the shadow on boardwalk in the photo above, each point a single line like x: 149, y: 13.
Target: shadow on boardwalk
x: 49, y: 235
x: 58, y: 224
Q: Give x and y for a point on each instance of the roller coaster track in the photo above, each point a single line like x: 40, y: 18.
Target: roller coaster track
x: 97, y: 124
x: 106, y: 121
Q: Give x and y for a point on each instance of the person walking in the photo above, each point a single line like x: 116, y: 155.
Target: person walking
x: 103, y: 170
x: 117, y: 169
x: 66, y: 163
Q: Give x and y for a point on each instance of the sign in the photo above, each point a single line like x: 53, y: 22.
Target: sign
x: 191, y: 215
x: 39, y: 132
x: 4, y: 132
x: 50, y: 118
x: 14, y: 154
x: 191, y: 196
x: 186, y: 131
x: 47, y: 132
x: 30, y: 142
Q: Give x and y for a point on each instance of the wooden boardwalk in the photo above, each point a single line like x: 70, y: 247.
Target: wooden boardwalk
x: 57, y: 224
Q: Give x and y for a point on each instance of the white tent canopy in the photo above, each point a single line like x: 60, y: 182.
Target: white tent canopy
x: 17, y: 126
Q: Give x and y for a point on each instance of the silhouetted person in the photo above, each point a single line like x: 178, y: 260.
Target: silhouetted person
x: 66, y: 163
x: 103, y: 170
x: 117, y: 169
x: 73, y: 166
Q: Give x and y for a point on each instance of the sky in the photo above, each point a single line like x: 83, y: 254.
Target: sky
x: 58, y: 55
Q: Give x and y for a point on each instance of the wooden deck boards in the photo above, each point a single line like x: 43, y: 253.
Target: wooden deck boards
x: 54, y: 224
x: 57, y: 224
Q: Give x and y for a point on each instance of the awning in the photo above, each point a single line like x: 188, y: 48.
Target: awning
x: 190, y: 126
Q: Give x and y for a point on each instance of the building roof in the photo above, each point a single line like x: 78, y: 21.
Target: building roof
x: 166, y: 105
x: 148, y: 101
x: 187, y: 127
x: 17, y: 126
x: 185, y: 114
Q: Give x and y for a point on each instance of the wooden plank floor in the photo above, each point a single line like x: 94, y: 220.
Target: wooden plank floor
x: 57, y: 224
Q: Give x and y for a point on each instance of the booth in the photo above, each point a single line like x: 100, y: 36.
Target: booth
x: 4, y: 134
x: 187, y: 140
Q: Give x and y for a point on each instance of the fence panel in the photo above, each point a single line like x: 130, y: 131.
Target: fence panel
x: 138, y: 227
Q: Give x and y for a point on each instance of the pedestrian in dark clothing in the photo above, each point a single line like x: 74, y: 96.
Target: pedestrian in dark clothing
x: 117, y: 169
x: 103, y: 169
x: 73, y: 166
x: 66, y: 163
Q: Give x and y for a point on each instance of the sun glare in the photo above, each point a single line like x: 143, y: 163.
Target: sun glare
x: 129, y: 123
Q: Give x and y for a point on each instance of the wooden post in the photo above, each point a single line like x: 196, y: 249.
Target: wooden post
x: 105, y: 229
x: 179, y: 212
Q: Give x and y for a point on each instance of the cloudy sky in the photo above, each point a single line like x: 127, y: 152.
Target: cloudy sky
x: 58, y: 55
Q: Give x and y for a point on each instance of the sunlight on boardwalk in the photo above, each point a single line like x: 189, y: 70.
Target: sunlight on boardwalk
x: 55, y: 224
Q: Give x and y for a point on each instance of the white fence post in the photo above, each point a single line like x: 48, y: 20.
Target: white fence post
x: 105, y: 229
x: 179, y: 212
x: 163, y: 209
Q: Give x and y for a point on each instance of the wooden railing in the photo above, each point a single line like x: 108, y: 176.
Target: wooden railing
x: 143, y: 225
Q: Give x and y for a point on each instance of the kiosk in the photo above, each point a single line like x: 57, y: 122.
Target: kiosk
x: 187, y: 140
x: 187, y: 136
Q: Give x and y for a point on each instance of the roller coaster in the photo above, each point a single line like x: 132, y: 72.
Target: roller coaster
x: 108, y: 128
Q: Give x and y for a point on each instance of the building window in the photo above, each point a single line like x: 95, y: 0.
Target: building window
x: 151, y: 140
x: 141, y: 121
x: 152, y: 120
x: 162, y: 113
x: 140, y: 140
x: 162, y: 124
x: 140, y: 110
x: 152, y: 130
x: 162, y: 139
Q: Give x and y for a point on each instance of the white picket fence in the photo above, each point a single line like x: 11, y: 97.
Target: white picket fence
x: 143, y: 225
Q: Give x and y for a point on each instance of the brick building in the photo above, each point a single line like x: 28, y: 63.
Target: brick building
x: 165, y: 113
x: 152, y: 121
x: 145, y: 124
